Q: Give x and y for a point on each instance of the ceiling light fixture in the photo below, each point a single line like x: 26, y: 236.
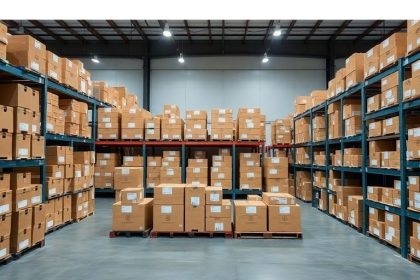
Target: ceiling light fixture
x: 277, y: 31
x: 95, y: 59
x: 181, y: 58
x: 166, y: 31
x: 265, y: 58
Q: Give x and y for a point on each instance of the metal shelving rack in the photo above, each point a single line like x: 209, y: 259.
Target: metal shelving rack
x: 16, y: 74
x: 184, y: 146
x: 407, y: 168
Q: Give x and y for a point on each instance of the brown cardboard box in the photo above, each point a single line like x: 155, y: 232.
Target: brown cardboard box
x: 218, y: 224
x: 225, y: 184
x: 411, y: 88
x: 214, y: 195
x: 38, y: 233
x: 374, y: 103
x: 390, y: 126
x: 396, y: 40
x: 376, y: 214
x: 128, y: 177
x: 56, y: 155
x: 22, y: 120
x: 37, y: 146
x: 389, y: 82
x: 18, y: 95
x: 133, y: 161
x: 5, y: 225
x: 36, y: 196
x: 195, y: 208
x: 222, y: 210
x: 371, y: 61
x: 375, y: 129
x: 168, y: 218
x: 131, y: 195
x: 5, y: 202
x: 278, y: 198
x: 277, y: 185
x: 20, y: 240
x: 343, y: 192
x: 54, y: 66
x: 284, y: 218
x: 20, y: 180
x: 6, y: 145
x: 70, y: 73
x: 377, y: 228
x: 24, y: 50
x: 21, y: 219
x: 6, y: 119
x: 391, y: 56
x: 389, y: 97
x: 250, y: 216
x: 132, y: 217
x: 169, y: 194
x: 55, y: 171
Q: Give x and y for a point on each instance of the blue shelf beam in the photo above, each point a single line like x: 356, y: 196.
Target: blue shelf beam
x: 21, y: 163
x: 384, y: 207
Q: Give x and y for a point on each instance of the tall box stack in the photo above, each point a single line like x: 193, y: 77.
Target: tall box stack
x: 276, y: 171
x: 301, y: 104
x: 104, y: 169
x: 121, y: 94
x: 6, y: 198
x: 84, y: 128
x: 82, y: 204
x: 303, y: 185
x: 82, y: 76
x: 154, y: 165
x: 302, y: 130
x: 133, y: 213
x: 392, y: 228
x: 343, y: 193
x: 218, y: 211
x: 109, y: 123
x: 152, y: 128
x: 55, y: 116
x: 221, y: 170
x: 172, y: 124
x: 86, y: 160
x: 222, y: 124
x: 415, y: 240
x: 195, y: 207
x: 168, y: 208
x: 352, y: 115
x: 250, y: 171
x: 283, y: 212
x: 371, y: 61
x: 58, y: 159
x: 197, y: 171
x: 354, y: 69
x: 3, y: 41
x: 340, y: 81
x: 128, y: 177
x: 281, y: 131
x: 411, y: 86
x: 355, y: 210
x: 24, y: 50
x: 249, y: 124
x: 101, y: 91
x: 334, y: 121
x: 318, y: 128
x: 389, y: 90
x: 414, y: 192
x: 352, y: 157
x: 54, y: 67
x: 132, y: 123
x: 413, y: 144
x: 413, y: 36
x: 170, y: 172
x: 317, y: 97
x: 302, y: 156
x: 250, y: 216
x: 71, y: 108
x: 392, y: 49
x: 20, y: 122
x: 70, y: 73
x: 195, y: 125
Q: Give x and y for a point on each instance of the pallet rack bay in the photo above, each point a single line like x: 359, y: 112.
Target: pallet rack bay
x: 362, y: 91
x: 13, y: 74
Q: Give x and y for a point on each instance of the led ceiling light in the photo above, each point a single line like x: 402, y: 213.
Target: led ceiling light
x: 265, y: 58
x: 181, y: 58
x: 277, y: 31
x: 95, y: 59
x: 166, y: 31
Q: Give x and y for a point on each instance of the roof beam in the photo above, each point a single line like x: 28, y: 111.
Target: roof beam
x: 64, y: 25
x: 340, y: 29
x: 317, y: 24
x: 374, y: 25
x: 396, y: 29
x: 270, y: 25
x: 117, y: 29
x: 139, y: 29
x: 39, y: 25
x: 289, y: 29
x: 92, y: 30
x: 246, y: 31
x: 187, y: 29
x: 209, y: 28
x: 14, y: 24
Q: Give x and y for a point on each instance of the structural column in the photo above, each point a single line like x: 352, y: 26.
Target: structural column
x: 146, y: 78
x: 330, y: 62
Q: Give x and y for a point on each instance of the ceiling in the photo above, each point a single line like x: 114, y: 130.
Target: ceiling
x: 209, y: 30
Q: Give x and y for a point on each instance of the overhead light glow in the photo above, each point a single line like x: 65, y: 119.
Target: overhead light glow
x: 166, y: 31
x: 277, y: 32
x: 95, y: 59
x: 181, y: 58
x: 265, y: 58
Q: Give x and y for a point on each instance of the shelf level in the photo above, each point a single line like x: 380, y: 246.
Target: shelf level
x: 21, y: 163
x: 381, y: 206
x: 66, y: 138
x: 383, y: 171
x: 383, y: 113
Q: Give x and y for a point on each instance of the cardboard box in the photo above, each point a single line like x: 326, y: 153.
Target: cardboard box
x: 250, y: 216
x: 169, y: 194
x: 5, y: 202
x: 54, y: 66
x: 277, y: 185
x: 132, y: 217
x: 20, y: 240
x: 375, y: 129
x: 371, y: 61
x: 218, y: 224
x: 6, y: 145
x: 168, y: 218
x: 411, y: 88
x: 128, y: 177
x: 38, y: 233
x: 390, y: 126
x: 278, y: 198
x: 195, y: 208
x: 37, y: 146
x: 222, y: 210
x: 389, y: 97
x: 225, y: 184
x: 214, y: 195
x: 374, y: 103
x: 5, y: 225
x: 132, y: 195
x: 284, y: 218
x: 24, y: 50
x: 6, y: 119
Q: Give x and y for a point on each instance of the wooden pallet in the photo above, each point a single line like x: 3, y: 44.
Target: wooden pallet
x: 55, y: 228
x: 268, y: 235
x: 416, y: 50
x: 384, y: 242
x: 191, y: 234
x: 413, y: 259
x: 55, y: 195
x: 6, y: 260
x: 40, y: 244
x: 144, y: 234
x: 359, y: 229
x: 24, y: 68
x: 82, y: 218
x: 195, y: 140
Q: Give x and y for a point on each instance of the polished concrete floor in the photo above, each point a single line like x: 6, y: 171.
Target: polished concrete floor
x: 329, y: 250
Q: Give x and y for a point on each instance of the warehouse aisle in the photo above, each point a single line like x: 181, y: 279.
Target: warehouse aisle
x: 329, y: 249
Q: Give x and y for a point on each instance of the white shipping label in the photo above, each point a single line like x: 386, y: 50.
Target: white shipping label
x: 280, y: 200
x: 52, y: 191
x: 36, y: 199
x: 221, y: 175
x: 150, y: 131
x: 397, y: 202
x: 126, y: 209
x: 372, y: 211
x: 385, y: 43
x: 218, y: 158
x: 131, y: 125
x: 2, y: 253
x: 275, y: 160
x: 407, y: 93
x: 417, y: 196
x: 222, y: 111
x: 371, y: 100
x: 274, y: 189
x: 388, y: 94
x: 87, y: 170
x: 106, y: 120
x: 172, y: 121
x: 58, y: 174
x: 167, y: 190
x: 384, y: 82
x: 214, y: 197
x: 78, y: 174
x: 215, y: 208
x: 389, y: 217
x: 390, y: 59
x: 246, y: 155
x: 170, y: 172
x: 196, y: 170
x: 372, y: 125
x: 284, y: 210
x: 412, y: 180
x: 249, y: 163
x: 250, y: 110
x: 273, y: 171
x: 391, y: 231
x: 197, y: 126
x: 250, y: 125
x: 370, y: 189
x: 218, y: 184
x: 132, y: 111
x: 251, y: 210
x: 23, y: 126
x: 107, y: 110
x: 416, y: 65
x: 221, y: 120
x: 374, y: 162
x: 217, y: 163
x: 218, y: 227
x: 388, y: 236
x: 34, y: 128
x: 196, y: 112
x: 108, y: 125
x: 23, y: 244
x: 131, y: 196
x: 170, y: 159
x: 23, y: 152
x: 128, y: 159
x: 35, y: 65
x: 195, y: 200
x: 165, y: 164
x: 416, y: 132
x: 166, y: 209
x: 125, y: 171
x: 369, y: 53
x: 388, y: 122
x: 50, y: 224
x: 102, y: 162
x: 165, y: 136
x: 250, y: 175
x: 5, y: 208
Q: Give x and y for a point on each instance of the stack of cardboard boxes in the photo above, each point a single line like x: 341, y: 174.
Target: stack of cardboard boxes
x: 413, y: 144
x: 415, y: 240
x: 414, y: 192
x: 250, y: 171
x: 385, y: 226
x: 392, y: 49
x: 54, y: 67
x: 109, y: 123
x: 355, y: 210
x: 389, y: 90
x: 195, y: 207
x: 352, y: 115
x: 154, y: 165
x: 384, y: 153
x: 301, y: 104
x: 168, y: 208
x: 334, y: 121
x: 222, y: 124
x: 221, y: 170
x: 172, y: 124
x: 104, y: 169
x: 195, y: 125
x: 343, y: 193
x: 55, y: 116
x: 132, y: 212
x: 354, y: 69
x: 3, y: 41
x: 302, y: 155
x: 20, y: 123
x: 82, y: 204
x: 352, y: 157
x: 75, y: 117
x: 152, y: 128
x: 336, y: 158
x: 322, y: 199
x: 197, y: 171
x: 23, y: 50
x: 320, y: 179
x: 302, y: 130
x: 218, y: 211
x: 411, y: 86
x: 320, y: 157
x: 318, y: 128
x: 127, y: 177
x: 413, y: 36
x: 132, y: 123
x: 386, y: 195
x: 276, y: 171
x: 316, y: 98
x: 281, y: 131
x: 248, y: 124
x: 304, y: 185
x: 170, y: 172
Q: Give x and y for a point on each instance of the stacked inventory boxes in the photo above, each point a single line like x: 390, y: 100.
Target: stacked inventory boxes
x: 132, y: 158
x: 101, y: 91
x: 415, y: 240
x: 319, y: 157
x: 3, y: 42
x: 104, y: 169
x: 281, y: 131
x: 262, y: 128
x: 381, y: 152
x: 352, y: 157
x: 250, y: 216
x: 248, y: 124
x: 411, y: 86
x: 82, y: 204
x: 70, y: 73
x: 322, y: 200
x: 154, y: 165
x: 6, y: 198
x: 340, y: 81
x: 371, y: 62
x: 316, y: 98
x: 58, y: 158
x: 352, y: 115
x: 250, y: 171
x: 84, y: 128
x: 354, y: 69
x: 320, y: 179
x: 128, y: 177
x: 170, y: 172
x: 413, y: 36
x: 152, y: 128
x: 373, y: 103
x: 377, y: 222
x: 301, y: 104
x: 386, y: 195
x: 302, y: 155
x: 392, y: 229
x: 172, y: 124
x: 71, y: 110
x: 343, y: 192
x: 86, y: 160
x: 55, y: 116
x: 334, y: 121
x: 132, y: 123
x: 283, y: 212
x: 303, y: 185
x: 195, y: 201
x: 82, y: 76
x: 302, y: 130
x: 218, y: 211
x: 133, y: 212
x: 195, y: 125
x: 276, y: 171
x: 389, y: 90
x: 392, y: 49
x: 20, y: 122
x: 355, y: 210
x: 413, y: 192
x: 168, y: 208
x: 108, y: 123
x: 24, y: 50
x: 222, y: 124
x: 221, y: 170
x: 318, y: 128
x: 197, y: 171
x: 413, y: 144
x: 54, y: 67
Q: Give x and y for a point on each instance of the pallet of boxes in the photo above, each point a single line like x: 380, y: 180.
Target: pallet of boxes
x: 171, y: 124
x: 3, y: 41
x: 274, y: 215
x: 250, y: 171
x: 249, y: 124
x: 221, y: 170
x: 195, y: 125
x: 222, y: 125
